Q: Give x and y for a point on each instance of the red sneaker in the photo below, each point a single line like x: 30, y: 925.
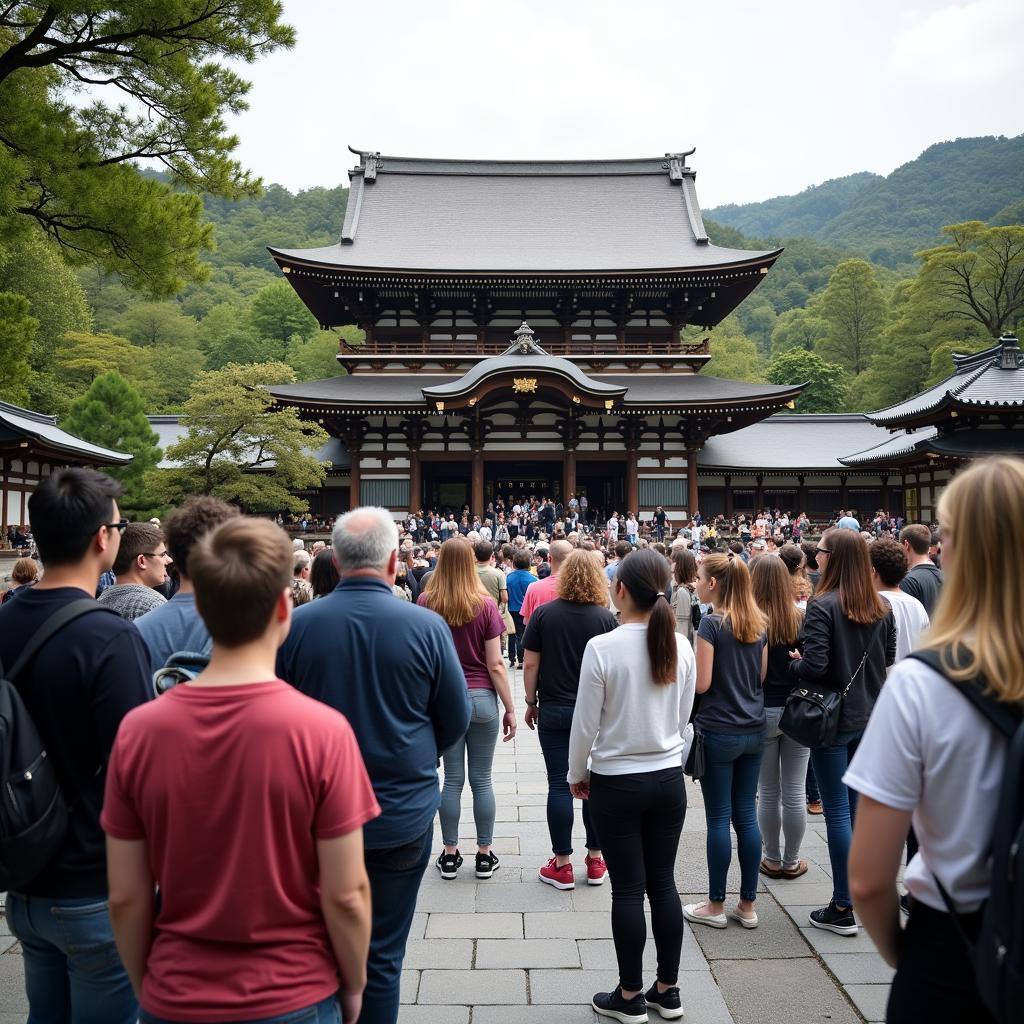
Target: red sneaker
x: 597, y: 872
x: 559, y: 877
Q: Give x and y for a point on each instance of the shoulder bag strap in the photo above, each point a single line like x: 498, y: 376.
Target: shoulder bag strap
x: 856, y: 672
x: 50, y: 628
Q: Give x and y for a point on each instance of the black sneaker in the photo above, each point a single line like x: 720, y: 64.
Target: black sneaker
x: 486, y: 865
x: 448, y: 864
x: 832, y: 919
x: 666, y: 1003
x: 626, y: 1011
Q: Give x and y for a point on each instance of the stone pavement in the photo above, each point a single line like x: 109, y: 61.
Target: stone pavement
x: 511, y: 950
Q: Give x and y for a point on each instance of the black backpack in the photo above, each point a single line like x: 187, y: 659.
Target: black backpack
x: 33, y: 811
x: 998, y: 954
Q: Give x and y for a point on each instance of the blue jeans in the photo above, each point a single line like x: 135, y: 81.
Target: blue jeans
x: 515, y: 640
x: 840, y: 804
x: 733, y: 764
x: 73, y: 974
x: 328, y: 1011
x: 554, y: 724
x: 395, y: 875
x: 478, y: 747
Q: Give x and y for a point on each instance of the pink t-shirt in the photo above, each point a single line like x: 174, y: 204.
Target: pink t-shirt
x: 470, y: 642
x: 231, y: 787
x: 537, y: 594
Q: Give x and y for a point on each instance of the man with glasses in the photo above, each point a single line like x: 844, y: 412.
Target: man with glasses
x: 77, y: 688
x: 140, y: 567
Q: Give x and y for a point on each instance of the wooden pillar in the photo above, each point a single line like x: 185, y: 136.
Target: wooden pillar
x: 801, y: 494
x: 568, y: 476
x: 729, y: 507
x: 353, y: 490
x: 844, y: 493
x: 692, y: 495
x: 415, y: 481
x: 476, y: 505
x: 632, y: 482
x: 758, y: 493
x: 885, y: 492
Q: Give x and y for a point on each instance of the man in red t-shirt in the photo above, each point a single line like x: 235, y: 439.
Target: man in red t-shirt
x: 546, y: 589
x: 243, y: 801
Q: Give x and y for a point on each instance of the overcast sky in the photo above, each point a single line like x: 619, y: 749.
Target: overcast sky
x: 775, y: 95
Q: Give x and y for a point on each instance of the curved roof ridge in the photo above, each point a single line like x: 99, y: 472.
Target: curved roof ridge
x: 934, y: 397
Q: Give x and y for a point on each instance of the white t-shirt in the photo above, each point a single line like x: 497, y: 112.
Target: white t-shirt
x: 613, y: 528
x: 927, y: 750
x: 624, y: 721
x: 911, y: 620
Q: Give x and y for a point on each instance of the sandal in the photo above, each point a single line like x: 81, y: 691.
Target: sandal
x: 800, y: 869
x: 778, y: 872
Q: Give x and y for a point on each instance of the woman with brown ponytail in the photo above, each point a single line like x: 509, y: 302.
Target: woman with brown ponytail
x: 634, y: 700
x: 732, y: 661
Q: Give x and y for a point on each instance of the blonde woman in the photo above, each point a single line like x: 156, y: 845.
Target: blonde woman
x: 783, y: 760
x: 930, y: 756
x: 455, y: 592
x: 554, y: 643
x: 732, y: 659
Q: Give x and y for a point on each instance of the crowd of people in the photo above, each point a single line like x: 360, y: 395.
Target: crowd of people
x: 248, y: 844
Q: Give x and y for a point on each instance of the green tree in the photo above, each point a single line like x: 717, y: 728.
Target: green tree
x: 164, y: 374
x: 317, y: 357
x: 797, y: 328
x: 226, y: 337
x: 240, y: 446
x: 278, y: 315
x: 83, y: 357
x: 941, y: 365
x: 827, y: 383
x: 733, y: 354
x: 160, y: 88
x: 111, y: 413
x: 17, y: 332
x: 157, y: 323
x: 978, y: 275
x: 854, y: 309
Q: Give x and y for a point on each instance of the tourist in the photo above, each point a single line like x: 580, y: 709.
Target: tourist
x: 924, y: 578
x: 211, y: 951
x: 545, y: 589
x: 323, y: 575
x: 140, y: 566
x: 458, y: 594
x: 796, y: 564
x: 301, y: 590
x: 554, y: 643
x: 494, y: 583
x: 732, y: 659
x: 660, y: 519
x: 888, y: 569
x: 175, y: 627
x: 613, y: 529
x: 24, y: 575
x: 930, y: 755
x: 810, y: 550
x: 516, y: 583
x: 849, y: 641
x: 685, y: 603
x: 632, y: 528
x: 76, y: 689
x: 634, y: 700
x: 783, y: 775
x: 391, y: 669
x: 616, y: 552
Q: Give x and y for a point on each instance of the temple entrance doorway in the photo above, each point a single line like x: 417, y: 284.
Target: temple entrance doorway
x: 604, y: 484
x: 446, y: 487
x: 512, y: 480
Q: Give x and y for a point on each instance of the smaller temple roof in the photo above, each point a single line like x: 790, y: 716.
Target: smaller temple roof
x: 989, y: 380
x: 42, y: 438
x: 898, y: 446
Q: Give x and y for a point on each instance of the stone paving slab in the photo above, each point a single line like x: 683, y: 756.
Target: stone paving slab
x: 494, y: 953
x: 504, y: 987
x: 870, y: 1000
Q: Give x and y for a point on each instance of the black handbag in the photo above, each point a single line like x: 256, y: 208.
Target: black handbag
x: 695, y: 614
x: 811, y: 716
x: 695, y: 760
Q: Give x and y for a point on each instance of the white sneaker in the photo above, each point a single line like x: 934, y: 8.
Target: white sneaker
x: 747, y: 920
x: 690, y: 912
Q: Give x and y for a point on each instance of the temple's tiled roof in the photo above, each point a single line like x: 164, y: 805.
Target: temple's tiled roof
x: 523, y: 216
x: 17, y: 423
x: 993, y: 378
x: 891, y: 448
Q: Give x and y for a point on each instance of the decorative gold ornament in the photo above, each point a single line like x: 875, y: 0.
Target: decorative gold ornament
x: 522, y: 385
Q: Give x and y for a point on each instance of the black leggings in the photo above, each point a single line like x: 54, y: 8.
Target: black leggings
x: 934, y: 980
x: 639, y: 819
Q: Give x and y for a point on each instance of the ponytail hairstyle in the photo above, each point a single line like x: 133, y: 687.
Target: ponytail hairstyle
x: 645, y: 574
x: 734, y: 599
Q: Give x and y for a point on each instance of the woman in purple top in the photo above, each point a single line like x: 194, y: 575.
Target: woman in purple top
x: 455, y: 592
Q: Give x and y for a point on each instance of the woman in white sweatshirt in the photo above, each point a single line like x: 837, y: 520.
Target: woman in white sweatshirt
x: 634, y: 700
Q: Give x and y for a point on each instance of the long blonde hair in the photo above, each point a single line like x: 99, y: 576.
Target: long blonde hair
x: 981, y: 609
x: 734, y: 599
x: 772, y: 587
x: 454, y: 589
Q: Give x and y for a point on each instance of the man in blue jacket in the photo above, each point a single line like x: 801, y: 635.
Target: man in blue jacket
x: 391, y: 668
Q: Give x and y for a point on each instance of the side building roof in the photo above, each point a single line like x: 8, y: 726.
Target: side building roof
x: 41, y: 437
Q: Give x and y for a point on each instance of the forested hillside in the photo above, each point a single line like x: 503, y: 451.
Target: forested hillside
x: 888, y: 219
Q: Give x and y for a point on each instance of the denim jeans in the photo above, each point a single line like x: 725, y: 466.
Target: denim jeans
x: 554, y: 723
x: 812, y: 784
x: 73, y: 974
x: 477, y: 746
x: 639, y: 817
x: 733, y: 764
x: 328, y: 1011
x: 515, y: 640
x: 840, y: 803
x: 782, y: 782
x: 395, y: 875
